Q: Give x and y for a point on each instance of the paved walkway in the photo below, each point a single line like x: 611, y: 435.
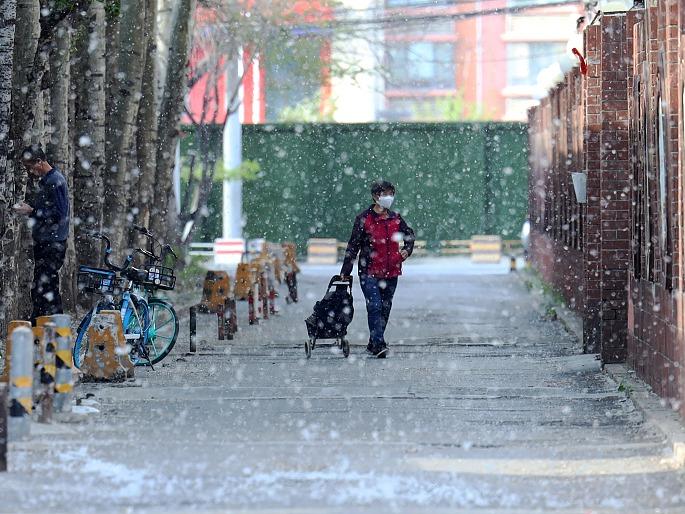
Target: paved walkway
x: 483, y: 406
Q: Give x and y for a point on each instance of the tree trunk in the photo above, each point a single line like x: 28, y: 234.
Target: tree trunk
x: 164, y: 210
x: 89, y: 84
x: 121, y: 125
x: 147, y: 121
x: 29, y: 66
x: 7, y: 266
x: 59, y: 143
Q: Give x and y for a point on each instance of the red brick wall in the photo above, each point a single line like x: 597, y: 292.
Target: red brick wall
x: 557, y: 219
x: 631, y: 229
x: 656, y: 341
x: 615, y: 185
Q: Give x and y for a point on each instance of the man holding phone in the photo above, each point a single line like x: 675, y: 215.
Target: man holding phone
x: 48, y: 214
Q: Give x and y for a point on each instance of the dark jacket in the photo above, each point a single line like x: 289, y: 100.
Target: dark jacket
x: 377, y: 241
x: 50, y: 208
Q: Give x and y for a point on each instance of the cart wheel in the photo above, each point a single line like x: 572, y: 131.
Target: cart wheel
x: 346, y: 348
x: 308, y: 348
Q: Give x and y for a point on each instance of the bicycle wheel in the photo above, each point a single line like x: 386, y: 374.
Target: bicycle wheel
x: 80, y: 348
x: 137, y: 325
x: 163, y: 330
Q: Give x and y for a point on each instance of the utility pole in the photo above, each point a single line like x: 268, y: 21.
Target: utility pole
x: 229, y: 249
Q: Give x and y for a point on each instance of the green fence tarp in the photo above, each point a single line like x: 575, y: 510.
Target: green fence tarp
x: 453, y: 179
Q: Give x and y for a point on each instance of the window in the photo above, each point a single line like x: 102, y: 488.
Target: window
x: 663, y: 198
x: 526, y: 60
x: 525, y: 3
x: 408, y: 3
x: 421, y: 65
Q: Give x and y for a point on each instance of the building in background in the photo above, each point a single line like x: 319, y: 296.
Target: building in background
x: 414, y: 60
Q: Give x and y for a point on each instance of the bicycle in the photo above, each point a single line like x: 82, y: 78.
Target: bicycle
x: 150, y: 324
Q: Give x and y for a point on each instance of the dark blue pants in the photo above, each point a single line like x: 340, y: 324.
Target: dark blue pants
x: 378, y: 293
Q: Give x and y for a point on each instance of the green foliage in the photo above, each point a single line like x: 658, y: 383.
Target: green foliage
x: 452, y: 108
x: 307, y: 111
x: 625, y: 388
x: 247, y: 171
x: 112, y: 8
x: 192, y: 273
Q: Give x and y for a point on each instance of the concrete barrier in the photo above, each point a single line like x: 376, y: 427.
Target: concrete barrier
x: 107, y: 359
x: 486, y: 249
x: 322, y: 251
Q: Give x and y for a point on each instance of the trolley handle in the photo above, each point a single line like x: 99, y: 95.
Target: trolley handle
x: 337, y: 280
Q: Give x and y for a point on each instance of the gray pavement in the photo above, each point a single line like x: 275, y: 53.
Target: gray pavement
x: 482, y: 406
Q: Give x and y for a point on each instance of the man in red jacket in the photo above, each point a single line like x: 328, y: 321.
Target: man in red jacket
x: 383, y: 241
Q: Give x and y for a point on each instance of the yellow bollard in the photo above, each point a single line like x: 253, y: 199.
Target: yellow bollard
x: 21, y: 384
x: 63, y: 360
x: 12, y: 325
x: 47, y: 373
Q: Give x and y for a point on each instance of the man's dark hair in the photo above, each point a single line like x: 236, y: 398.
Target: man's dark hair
x: 381, y: 185
x: 32, y: 154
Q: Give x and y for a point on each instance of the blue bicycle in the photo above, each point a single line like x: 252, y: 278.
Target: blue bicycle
x: 150, y: 323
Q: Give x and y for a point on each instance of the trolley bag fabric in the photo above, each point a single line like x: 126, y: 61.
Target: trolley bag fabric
x: 333, y: 313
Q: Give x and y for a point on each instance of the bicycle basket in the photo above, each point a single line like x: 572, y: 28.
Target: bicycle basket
x: 96, y: 280
x: 160, y: 277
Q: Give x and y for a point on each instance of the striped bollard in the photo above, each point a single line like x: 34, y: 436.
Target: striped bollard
x: 21, y: 384
x: 64, y: 384
x: 11, y: 326
x: 47, y: 373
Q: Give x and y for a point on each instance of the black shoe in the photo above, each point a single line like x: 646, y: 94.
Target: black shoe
x: 371, y: 350
x: 383, y: 352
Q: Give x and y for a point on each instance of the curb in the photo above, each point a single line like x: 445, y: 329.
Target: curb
x: 654, y: 409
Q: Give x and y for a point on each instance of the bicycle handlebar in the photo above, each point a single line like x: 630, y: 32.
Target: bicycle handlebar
x: 126, y: 267
x: 166, y: 249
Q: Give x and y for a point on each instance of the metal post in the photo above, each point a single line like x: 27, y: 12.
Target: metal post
x: 272, y: 300
x: 64, y: 383
x: 21, y: 384
x: 232, y: 317
x: 47, y: 373
x: 263, y: 289
x: 220, y: 324
x: 232, y: 154
x: 251, y: 308
x: 193, y: 329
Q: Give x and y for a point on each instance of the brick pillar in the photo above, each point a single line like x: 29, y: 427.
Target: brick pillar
x: 591, y: 229
x: 615, y: 187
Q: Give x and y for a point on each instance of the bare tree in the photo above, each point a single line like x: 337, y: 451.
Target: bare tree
x: 147, y: 120
x: 169, y: 115
x: 59, y: 130
x: 126, y: 93
x: 90, y: 92
x: 8, y: 10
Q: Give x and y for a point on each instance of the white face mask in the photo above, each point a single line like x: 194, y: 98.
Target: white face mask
x: 385, y: 201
